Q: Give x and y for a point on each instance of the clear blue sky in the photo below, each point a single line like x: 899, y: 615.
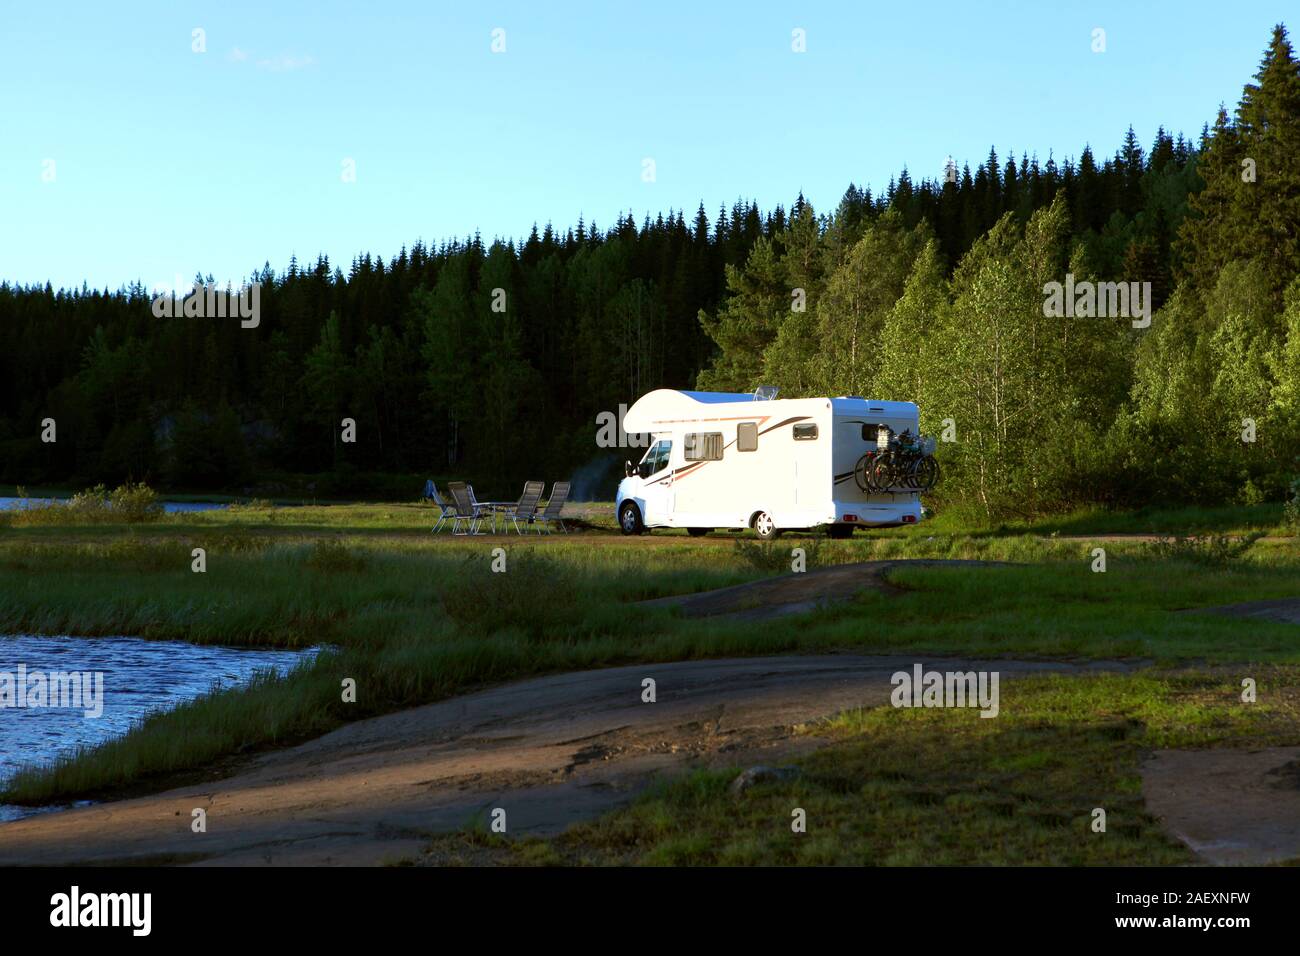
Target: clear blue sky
x: 168, y: 162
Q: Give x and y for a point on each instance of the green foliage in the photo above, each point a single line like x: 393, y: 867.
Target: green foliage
x: 1024, y: 391
x: 206, y: 450
x: 134, y: 503
x: 773, y: 557
x: 327, y: 376
x: 930, y: 291
x: 759, y: 297
x: 1250, y: 203
x: 1203, y: 406
x: 251, y: 504
x: 1212, y: 550
x: 1291, y: 511
x: 234, y: 541
x: 126, y: 504
x: 334, y: 557
x: 128, y: 554
x: 535, y: 595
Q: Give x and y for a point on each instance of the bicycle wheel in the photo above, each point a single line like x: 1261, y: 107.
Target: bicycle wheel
x: 927, y: 473
x: 883, y: 472
x: 862, y: 472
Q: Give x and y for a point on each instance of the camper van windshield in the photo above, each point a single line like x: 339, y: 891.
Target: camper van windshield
x: 656, y: 459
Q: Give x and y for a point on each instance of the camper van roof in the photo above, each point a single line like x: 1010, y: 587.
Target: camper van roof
x: 717, y: 398
x: 846, y: 403
x: 666, y: 406
x: 670, y: 404
x: 853, y: 405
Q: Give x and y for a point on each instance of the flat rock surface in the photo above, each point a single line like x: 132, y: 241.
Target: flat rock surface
x: 1232, y: 807
x: 550, y: 751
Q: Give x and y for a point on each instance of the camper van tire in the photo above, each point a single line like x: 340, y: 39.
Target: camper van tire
x: 764, y: 527
x: 698, y: 532
x: 629, y: 519
x: 839, y: 530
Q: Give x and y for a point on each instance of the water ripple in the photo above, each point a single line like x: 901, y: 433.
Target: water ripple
x: 139, y: 678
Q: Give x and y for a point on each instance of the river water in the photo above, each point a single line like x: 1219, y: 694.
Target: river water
x: 138, y: 677
x: 168, y: 506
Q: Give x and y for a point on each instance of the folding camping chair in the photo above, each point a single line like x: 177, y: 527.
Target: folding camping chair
x: 431, y: 493
x: 559, y: 495
x: 526, y: 507
x: 484, y: 508
x: 467, y: 509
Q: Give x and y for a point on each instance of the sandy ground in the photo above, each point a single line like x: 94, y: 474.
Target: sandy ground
x: 550, y: 751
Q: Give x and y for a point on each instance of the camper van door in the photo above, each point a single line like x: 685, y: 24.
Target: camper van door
x: 657, y: 482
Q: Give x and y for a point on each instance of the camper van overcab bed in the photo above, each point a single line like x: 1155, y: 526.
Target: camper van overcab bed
x: 731, y: 460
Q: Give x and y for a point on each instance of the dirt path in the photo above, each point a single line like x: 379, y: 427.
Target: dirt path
x: 1285, y: 610
x: 799, y: 593
x: 550, y: 751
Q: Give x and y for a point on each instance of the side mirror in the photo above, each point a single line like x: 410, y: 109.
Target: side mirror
x: 628, y: 469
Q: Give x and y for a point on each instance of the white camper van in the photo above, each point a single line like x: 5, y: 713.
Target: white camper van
x: 730, y: 460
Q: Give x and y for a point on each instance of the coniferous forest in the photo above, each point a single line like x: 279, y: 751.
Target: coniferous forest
x: 931, y: 290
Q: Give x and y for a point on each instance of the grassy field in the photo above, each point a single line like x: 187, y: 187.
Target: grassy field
x: 417, y: 519
x: 413, y: 618
x: 938, y: 787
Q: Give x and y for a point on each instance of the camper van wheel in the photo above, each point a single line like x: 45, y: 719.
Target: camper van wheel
x: 764, y: 527
x: 629, y: 519
x: 839, y: 530
x: 698, y: 532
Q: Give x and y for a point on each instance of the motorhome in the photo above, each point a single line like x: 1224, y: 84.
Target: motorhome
x: 730, y: 460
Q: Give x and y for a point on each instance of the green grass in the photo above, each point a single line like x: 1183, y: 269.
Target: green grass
x: 1063, y: 609
x: 414, y: 619
x: 418, y: 518
x: 1227, y: 519
x: 398, y: 519
x: 941, y: 787
x: 411, y: 621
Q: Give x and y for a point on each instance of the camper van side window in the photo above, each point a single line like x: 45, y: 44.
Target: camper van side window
x: 747, y: 436
x: 703, y: 446
x: 665, y: 450
x: 805, y: 432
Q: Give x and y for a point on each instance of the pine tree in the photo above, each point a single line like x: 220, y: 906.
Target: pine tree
x: 758, y: 299
x: 1250, y: 205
